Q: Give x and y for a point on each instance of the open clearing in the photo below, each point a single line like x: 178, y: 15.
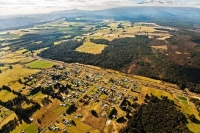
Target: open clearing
x: 11, y: 76
x: 164, y: 47
x: 6, y: 95
x: 39, y: 64
x: 92, y: 48
x: 39, y: 51
x: 128, y: 30
x: 7, y: 119
x: 147, y: 79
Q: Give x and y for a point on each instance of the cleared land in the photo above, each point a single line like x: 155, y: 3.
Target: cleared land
x: 11, y: 76
x: 89, y: 47
x: 6, y: 95
x: 39, y: 64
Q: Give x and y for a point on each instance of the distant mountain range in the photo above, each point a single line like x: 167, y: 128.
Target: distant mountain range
x: 161, y: 15
x: 157, y: 2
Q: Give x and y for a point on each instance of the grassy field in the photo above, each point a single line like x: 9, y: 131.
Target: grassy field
x: 5, y: 48
x: 6, y: 95
x: 12, y: 58
x: 39, y: 51
x: 39, y: 64
x: 28, y: 128
x: 59, y: 42
x: 21, y: 51
x: 10, y: 117
x: 89, y: 47
x: 11, y: 61
x: 27, y: 60
x: 3, y: 68
x: 11, y: 76
x: 127, y: 31
x: 32, y: 129
x: 4, y: 113
x: 160, y: 93
x: 189, y: 109
x: 146, y: 79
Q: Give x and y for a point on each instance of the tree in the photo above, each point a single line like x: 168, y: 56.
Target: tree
x: 0, y: 71
x: 10, y: 67
x: 193, y: 118
x: 20, y: 80
x: 94, y: 113
x: 39, y: 121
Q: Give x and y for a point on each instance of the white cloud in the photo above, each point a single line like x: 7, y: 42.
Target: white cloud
x: 12, y: 7
x: 44, y: 6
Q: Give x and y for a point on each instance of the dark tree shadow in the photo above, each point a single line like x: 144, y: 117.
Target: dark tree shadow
x: 73, y: 123
x: 72, y: 110
x: 94, y: 113
x: 121, y: 120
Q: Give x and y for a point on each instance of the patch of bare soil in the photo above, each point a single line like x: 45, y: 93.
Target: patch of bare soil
x: 95, y: 122
x: 180, y: 53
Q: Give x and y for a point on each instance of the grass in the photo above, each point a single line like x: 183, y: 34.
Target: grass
x: 21, y: 127
x: 65, y: 37
x: 129, y: 31
x: 89, y: 47
x: 10, y: 61
x: 4, y: 113
x: 58, y: 110
x: 189, y: 109
x: 80, y: 127
x: 183, y: 99
x: 142, y: 29
x: 160, y: 93
x: 147, y: 79
x: 27, y: 60
x: 38, y: 97
x: 12, y: 58
x: 6, y: 95
x: 32, y: 129
x: 3, y: 68
x: 25, y: 105
x: 5, y: 48
x: 59, y: 42
x: 12, y: 75
x: 40, y: 64
x: 21, y: 51
x: 40, y: 50
x: 16, y: 86
x: 10, y: 117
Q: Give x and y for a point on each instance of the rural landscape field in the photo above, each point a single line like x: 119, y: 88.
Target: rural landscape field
x: 94, y: 73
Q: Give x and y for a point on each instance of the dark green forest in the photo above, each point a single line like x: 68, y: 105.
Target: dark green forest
x: 157, y: 116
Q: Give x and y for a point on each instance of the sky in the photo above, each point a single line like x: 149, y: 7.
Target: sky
x: 15, y: 7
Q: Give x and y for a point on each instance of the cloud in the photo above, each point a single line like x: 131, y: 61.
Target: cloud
x: 12, y: 7
x: 8, y: 7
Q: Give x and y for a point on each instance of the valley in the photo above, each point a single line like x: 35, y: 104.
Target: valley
x: 92, y: 75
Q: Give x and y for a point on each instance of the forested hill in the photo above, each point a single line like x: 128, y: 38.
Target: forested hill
x: 183, y: 17
x: 121, y: 52
x: 157, y: 116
